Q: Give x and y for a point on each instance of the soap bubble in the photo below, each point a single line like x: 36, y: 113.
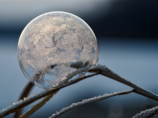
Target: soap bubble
x: 53, y: 45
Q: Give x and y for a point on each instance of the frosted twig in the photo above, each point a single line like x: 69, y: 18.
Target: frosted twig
x: 37, y: 106
x: 109, y: 73
x: 22, y: 103
x: 69, y: 76
x: 46, y: 99
x: 147, y: 113
x: 26, y: 91
x: 90, y: 100
x: 97, y: 68
x: 24, y: 94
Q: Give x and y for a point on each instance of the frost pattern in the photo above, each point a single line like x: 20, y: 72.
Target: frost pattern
x: 51, y: 43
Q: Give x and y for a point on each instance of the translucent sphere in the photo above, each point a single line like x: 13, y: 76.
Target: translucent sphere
x: 53, y: 45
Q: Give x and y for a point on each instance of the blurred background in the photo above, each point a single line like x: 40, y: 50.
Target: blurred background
x: 127, y: 33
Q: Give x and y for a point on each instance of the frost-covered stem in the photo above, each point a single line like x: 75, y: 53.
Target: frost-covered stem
x: 24, y: 94
x: 69, y: 76
x: 46, y: 99
x: 108, y: 73
x: 37, y: 106
x: 90, y: 100
x: 22, y: 103
x: 98, y: 68
x: 147, y: 113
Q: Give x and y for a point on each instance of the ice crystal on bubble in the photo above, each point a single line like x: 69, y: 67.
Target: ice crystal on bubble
x: 53, y: 45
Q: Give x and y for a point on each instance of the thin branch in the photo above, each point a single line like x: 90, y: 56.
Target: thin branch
x: 22, y: 103
x: 109, y: 73
x: 24, y: 94
x: 147, y: 113
x: 37, y: 106
x: 70, y: 75
x: 90, y: 100
x: 41, y: 103
x: 98, y: 68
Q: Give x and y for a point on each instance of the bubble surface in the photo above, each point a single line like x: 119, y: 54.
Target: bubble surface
x: 53, y: 45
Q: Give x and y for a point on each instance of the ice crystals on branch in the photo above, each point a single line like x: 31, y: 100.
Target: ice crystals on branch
x: 94, y: 99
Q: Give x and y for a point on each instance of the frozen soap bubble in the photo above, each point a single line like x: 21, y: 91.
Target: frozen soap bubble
x: 53, y: 45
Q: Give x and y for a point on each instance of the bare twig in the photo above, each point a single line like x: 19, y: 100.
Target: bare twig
x: 90, y: 100
x: 147, y: 113
x: 22, y: 103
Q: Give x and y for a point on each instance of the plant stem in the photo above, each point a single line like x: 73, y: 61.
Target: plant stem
x: 90, y: 100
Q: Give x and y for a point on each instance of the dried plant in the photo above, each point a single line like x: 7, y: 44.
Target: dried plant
x: 47, y: 94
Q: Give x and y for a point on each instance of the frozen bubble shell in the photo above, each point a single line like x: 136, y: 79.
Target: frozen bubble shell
x: 53, y: 45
